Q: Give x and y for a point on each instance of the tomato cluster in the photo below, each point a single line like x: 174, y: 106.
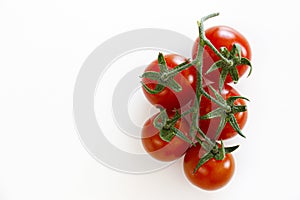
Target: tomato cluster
x: 199, y: 107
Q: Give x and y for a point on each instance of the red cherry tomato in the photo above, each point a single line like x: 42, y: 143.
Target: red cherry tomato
x: 213, y: 174
x: 210, y: 126
x: 168, y: 98
x: 160, y: 149
x: 222, y: 36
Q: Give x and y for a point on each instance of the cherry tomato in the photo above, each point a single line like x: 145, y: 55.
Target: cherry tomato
x: 222, y: 36
x: 210, y: 126
x: 213, y: 174
x: 160, y: 149
x: 168, y: 98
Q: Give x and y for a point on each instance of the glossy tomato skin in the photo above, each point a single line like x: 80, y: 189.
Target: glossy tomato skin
x: 167, y: 98
x: 209, y: 126
x: 222, y: 36
x: 213, y: 174
x: 160, y: 149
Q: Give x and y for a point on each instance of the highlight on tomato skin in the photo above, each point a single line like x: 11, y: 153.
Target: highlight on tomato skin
x: 167, y: 98
x: 213, y: 174
x: 159, y: 149
x: 222, y: 36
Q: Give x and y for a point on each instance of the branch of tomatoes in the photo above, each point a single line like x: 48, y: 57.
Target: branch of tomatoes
x: 223, y: 106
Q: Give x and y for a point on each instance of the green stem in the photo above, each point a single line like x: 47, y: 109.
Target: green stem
x: 208, y: 140
x: 199, y: 87
x: 208, y: 42
x: 186, y: 112
x: 175, y: 71
x: 202, y: 41
x: 200, y: 90
x: 209, y: 16
x: 224, y: 106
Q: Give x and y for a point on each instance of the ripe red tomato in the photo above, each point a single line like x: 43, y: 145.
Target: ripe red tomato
x: 213, y: 174
x: 160, y: 149
x: 210, y: 126
x: 222, y: 36
x: 167, y: 98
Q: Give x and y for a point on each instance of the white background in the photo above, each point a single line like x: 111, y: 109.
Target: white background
x: 42, y: 47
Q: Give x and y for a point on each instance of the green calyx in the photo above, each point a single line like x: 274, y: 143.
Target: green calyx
x: 218, y: 152
x: 226, y: 115
x: 229, y: 66
x: 165, y: 77
x: 167, y: 128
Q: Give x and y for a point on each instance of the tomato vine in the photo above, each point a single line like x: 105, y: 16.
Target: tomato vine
x: 226, y: 109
